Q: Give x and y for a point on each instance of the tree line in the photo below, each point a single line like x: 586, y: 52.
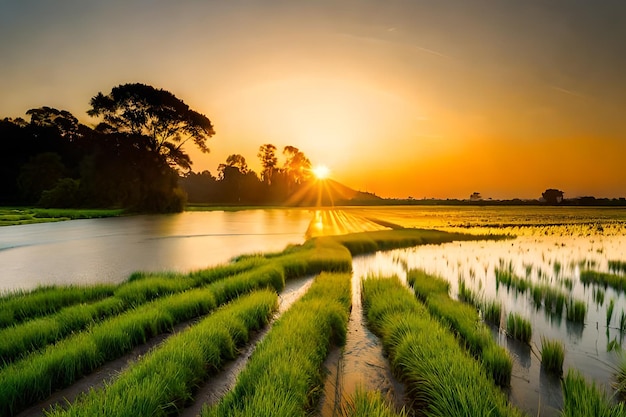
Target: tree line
x: 134, y: 158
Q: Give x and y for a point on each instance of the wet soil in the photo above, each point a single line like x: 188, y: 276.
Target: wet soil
x: 361, y: 364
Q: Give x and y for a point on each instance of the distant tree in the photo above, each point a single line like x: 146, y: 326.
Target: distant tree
x: 140, y: 109
x: 476, y: 196
x: 297, y: 166
x: 62, y: 120
x: 553, y: 196
x: 267, y: 155
x: 236, y: 161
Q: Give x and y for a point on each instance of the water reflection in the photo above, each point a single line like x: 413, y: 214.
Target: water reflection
x: 109, y: 250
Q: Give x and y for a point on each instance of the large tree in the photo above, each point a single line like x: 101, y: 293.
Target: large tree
x: 267, y: 155
x: 168, y: 122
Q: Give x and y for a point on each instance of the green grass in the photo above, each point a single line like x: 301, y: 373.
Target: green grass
x: 37, y: 375
x: 284, y: 375
x: 518, y: 327
x: 617, y: 282
x: 10, y: 216
x: 164, y: 380
x: 369, y: 404
x: 617, y: 267
x: 583, y: 400
x: 552, y: 355
x: 609, y: 312
x: 576, y: 311
x: 443, y: 377
x: 492, y: 311
x: 465, y: 321
x: 20, y: 306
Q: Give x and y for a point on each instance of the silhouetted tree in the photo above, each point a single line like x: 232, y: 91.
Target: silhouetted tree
x: 297, y: 166
x: 475, y: 196
x: 236, y: 161
x: 553, y: 196
x: 267, y: 155
x: 167, y: 121
x: 200, y: 187
x: 40, y: 173
x: 62, y: 120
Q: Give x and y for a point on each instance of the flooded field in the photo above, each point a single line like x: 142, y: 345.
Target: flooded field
x: 548, y: 248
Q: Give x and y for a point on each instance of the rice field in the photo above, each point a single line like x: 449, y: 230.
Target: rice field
x: 470, y: 324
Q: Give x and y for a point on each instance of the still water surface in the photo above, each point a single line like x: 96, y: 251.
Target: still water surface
x: 109, y: 250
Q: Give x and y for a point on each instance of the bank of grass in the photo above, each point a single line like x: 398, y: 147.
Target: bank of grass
x: 284, y: 376
x: 368, y: 404
x: 464, y: 321
x: 368, y: 242
x: 552, y: 355
x: 20, y: 306
x: 11, y: 216
x: 22, y: 338
x: 582, y: 400
x: 37, y: 375
x: 163, y: 381
x: 443, y: 377
x: 615, y: 281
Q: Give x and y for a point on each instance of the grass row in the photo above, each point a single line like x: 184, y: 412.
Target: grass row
x: 551, y: 298
x: 10, y: 216
x: 18, y: 340
x: 437, y: 371
x: 163, y: 381
x: 37, y: 375
x: 519, y: 327
x: 465, y: 321
x: 615, y: 281
x: 582, y: 400
x: 368, y: 404
x: 20, y: 306
x: 284, y: 375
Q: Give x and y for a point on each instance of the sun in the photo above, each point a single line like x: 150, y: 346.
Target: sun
x: 321, y: 172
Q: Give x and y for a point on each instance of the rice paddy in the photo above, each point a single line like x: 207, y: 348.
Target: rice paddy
x: 465, y: 316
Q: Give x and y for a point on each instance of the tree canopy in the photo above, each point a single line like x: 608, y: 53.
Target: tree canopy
x: 159, y: 115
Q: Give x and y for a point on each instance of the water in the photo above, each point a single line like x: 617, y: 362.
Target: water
x: 109, y: 250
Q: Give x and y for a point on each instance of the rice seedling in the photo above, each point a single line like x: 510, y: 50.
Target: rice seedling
x: 576, y: 311
x: 617, y: 282
x: 21, y: 339
x: 464, y: 320
x: 552, y: 355
x: 367, y: 404
x: 609, y: 312
x: 582, y: 400
x: 163, y: 381
x: 617, y: 267
x: 34, y: 377
x: 622, y: 322
x: 518, y: 327
x: 492, y: 311
x: 445, y: 378
x: 24, y: 305
x: 598, y: 296
x: 284, y: 374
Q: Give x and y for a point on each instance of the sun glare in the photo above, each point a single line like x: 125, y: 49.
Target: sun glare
x: 321, y: 172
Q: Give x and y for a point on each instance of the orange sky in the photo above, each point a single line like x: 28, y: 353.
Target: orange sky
x: 401, y: 98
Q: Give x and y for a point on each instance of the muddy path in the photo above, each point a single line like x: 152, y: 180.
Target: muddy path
x: 361, y: 363
x: 218, y: 384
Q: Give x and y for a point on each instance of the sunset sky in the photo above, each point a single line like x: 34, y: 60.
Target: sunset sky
x: 421, y: 98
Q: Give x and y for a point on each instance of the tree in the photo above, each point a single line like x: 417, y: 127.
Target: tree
x: 236, y: 161
x: 140, y: 109
x: 553, y: 196
x: 476, y: 196
x: 62, y: 120
x: 267, y: 155
x: 297, y: 165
